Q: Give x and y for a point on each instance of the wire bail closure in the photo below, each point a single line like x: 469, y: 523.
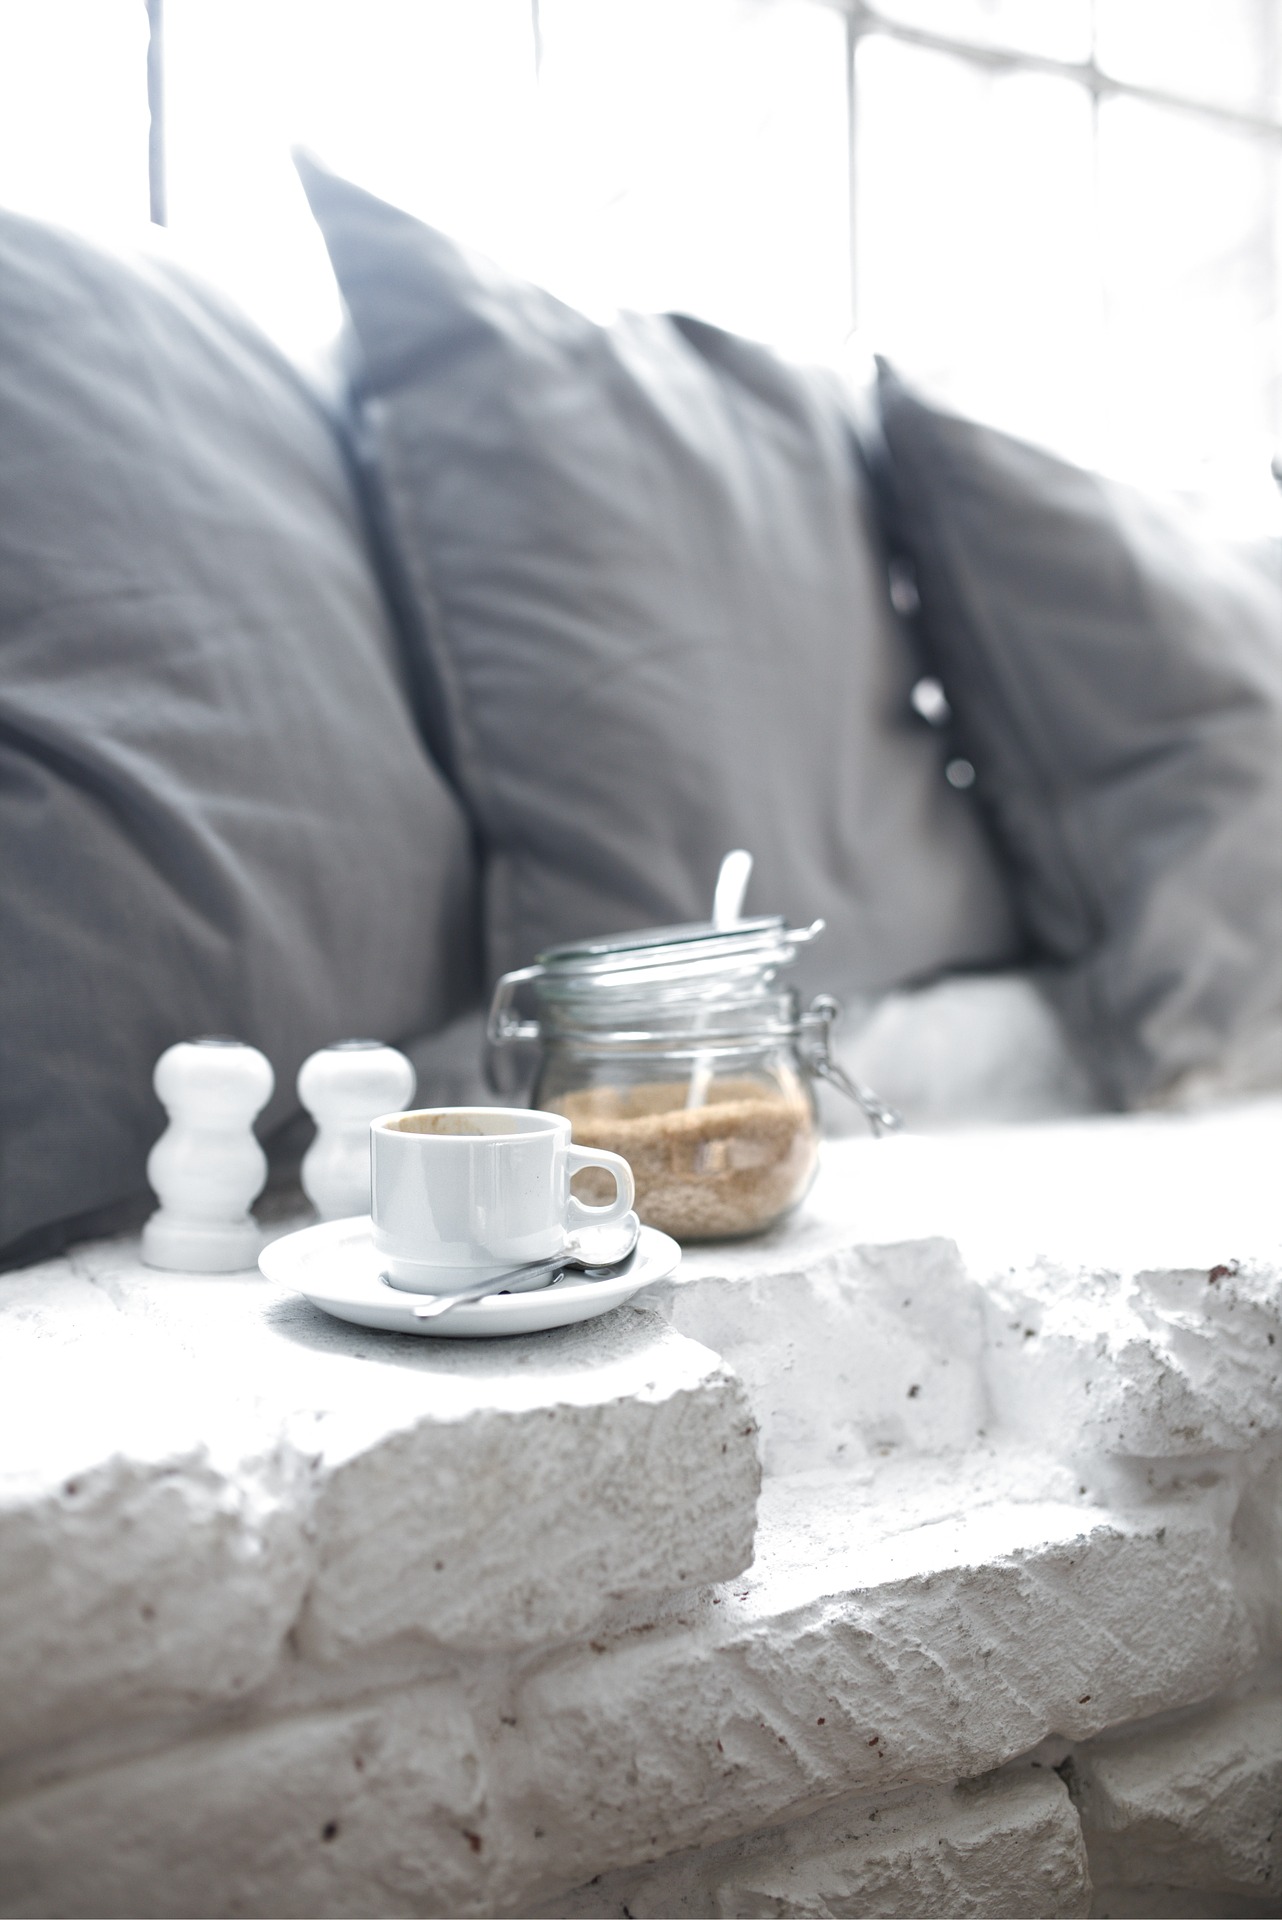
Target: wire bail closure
x: 816, y: 1026
x: 505, y: 1026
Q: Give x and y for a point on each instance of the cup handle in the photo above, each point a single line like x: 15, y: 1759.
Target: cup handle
x: 577, y: 1215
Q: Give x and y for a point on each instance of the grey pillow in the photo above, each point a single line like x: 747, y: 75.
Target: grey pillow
x: 647, y: 591
x: 1117, y: 683
x: 215, y: 811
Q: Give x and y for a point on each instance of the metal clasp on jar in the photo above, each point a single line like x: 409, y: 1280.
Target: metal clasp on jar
x: 815, y: 1033
x: 505, y: 1026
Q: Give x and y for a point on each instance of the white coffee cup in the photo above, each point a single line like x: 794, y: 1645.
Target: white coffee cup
x: 461, y: 1191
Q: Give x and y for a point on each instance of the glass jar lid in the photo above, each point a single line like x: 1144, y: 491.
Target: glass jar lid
x: 650, y: 967
x: 671, y: 954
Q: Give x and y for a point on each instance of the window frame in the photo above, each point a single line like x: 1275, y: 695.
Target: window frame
x: 865, y: 20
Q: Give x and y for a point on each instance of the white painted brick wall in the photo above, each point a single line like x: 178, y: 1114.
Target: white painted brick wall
x: 296, y: 1618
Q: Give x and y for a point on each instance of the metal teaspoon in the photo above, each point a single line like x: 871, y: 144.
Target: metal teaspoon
x: 592, y: 1249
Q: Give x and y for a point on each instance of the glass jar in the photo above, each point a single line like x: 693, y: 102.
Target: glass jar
x: 679, y: 1048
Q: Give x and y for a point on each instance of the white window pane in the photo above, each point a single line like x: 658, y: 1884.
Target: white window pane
x: 1193, y: 342
x: 1275, y: 323
x: 73, y: 111
x: 976, y: 257
x: 696, y: 157
x: 1225, y: 51
x: 430, y: 105
x: 428, y: 102
x: 674, y: 152
x: 1058, y: 29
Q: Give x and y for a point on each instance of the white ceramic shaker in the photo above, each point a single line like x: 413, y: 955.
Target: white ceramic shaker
x: 344, y: 1087
x: 207, y: 1168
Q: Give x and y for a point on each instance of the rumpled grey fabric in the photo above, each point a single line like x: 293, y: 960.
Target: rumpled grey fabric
x: 1117, y: 682
x: 216, y: 815
x: 648, y: 596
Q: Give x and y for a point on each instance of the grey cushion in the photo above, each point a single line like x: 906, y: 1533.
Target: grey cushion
x: 1117, y: 683
x: 215, y: 810
x: 646, y: 587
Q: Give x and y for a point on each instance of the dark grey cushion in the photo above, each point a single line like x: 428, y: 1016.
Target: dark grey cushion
x: 215, y: 811
x: 647, y: 590
x: 1117, y: 683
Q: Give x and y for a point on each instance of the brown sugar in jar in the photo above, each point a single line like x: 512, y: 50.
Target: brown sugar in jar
x: 679, y: 1048
x: 726, y: 1167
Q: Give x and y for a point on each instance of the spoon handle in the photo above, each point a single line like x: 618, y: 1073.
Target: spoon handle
x: 520, y: 1280
x: 621, y: 1242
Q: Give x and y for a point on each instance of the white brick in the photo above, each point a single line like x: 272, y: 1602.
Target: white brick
x: 1002, y: 1845
x: 376, y: 1810
x: 1129, y: 1296
x: 1163, y: 1362
x: 1257, y: 1550
x: 1196, y: 1803
x: 850, y: 1356
x: 151, y: 1541
x: 626, y: 1465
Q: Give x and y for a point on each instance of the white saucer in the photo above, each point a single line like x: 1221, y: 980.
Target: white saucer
x: 336, y: 1267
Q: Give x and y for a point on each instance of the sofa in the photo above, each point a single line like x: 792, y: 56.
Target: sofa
x: 839, y: 1574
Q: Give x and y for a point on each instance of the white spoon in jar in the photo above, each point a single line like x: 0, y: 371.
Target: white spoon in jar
x: 727, y: 911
